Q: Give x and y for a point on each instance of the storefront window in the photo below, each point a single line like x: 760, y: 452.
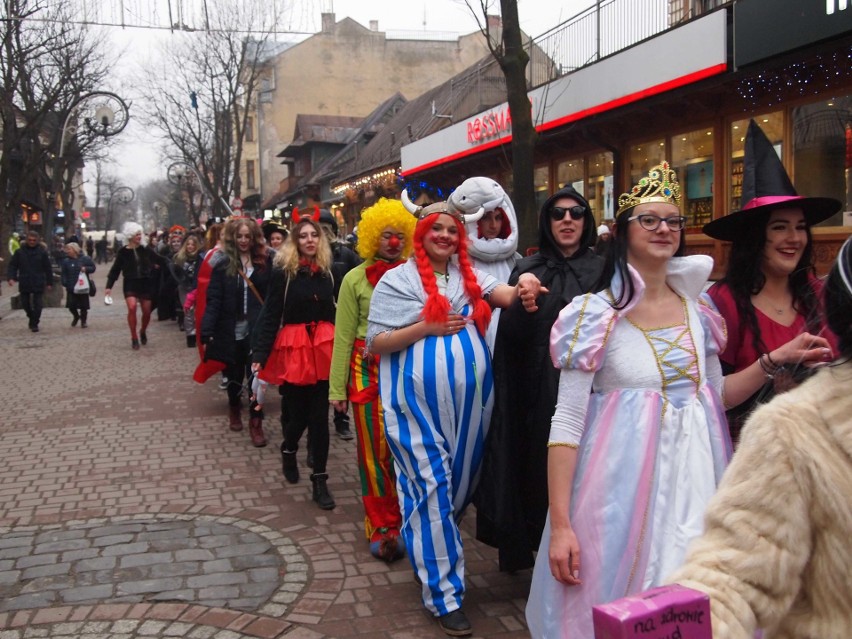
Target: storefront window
x: 570, y: 172
x: 600, y: 191
x: 773, y: 126
x: 541, y: 185
x: 643, y: 156
x: 692, y: 159
x: 822, y: 149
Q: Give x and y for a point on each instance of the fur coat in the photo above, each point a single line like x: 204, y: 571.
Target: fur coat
x: 776, y: 552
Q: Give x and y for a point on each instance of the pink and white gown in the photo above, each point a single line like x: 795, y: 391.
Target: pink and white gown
x: 653, y: 450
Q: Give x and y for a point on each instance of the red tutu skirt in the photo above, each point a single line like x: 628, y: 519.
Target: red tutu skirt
x: 301, y: 354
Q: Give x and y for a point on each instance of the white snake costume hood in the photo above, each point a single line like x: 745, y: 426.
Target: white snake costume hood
x: 484, y: 194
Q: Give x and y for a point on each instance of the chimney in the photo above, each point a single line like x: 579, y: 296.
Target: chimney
x: 374, y: 25
x: 327, y: 23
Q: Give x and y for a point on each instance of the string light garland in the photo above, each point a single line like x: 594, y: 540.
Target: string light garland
x: 824, y: 72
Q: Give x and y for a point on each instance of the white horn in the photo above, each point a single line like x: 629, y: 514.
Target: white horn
x: 469, y: 218
x: 408, y: 204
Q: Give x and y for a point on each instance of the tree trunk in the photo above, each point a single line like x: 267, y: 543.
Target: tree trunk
x: 514, y: 62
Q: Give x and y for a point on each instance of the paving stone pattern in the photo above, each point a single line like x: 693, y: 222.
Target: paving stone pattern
x: 129, y: 509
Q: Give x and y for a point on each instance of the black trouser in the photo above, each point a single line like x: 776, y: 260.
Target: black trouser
x: 32, y: 304
x: 307, y: 409
x: 237, y: 372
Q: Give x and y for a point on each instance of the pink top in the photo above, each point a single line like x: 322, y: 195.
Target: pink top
x: 740, y: 352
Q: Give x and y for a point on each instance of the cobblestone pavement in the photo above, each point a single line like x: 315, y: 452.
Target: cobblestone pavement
x: 128, y: 509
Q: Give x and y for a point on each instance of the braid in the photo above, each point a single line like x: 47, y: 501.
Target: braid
x: 437, y: 306
x: 481, y: 310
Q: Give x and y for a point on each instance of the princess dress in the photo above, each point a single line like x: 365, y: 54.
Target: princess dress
x: 654, y: 448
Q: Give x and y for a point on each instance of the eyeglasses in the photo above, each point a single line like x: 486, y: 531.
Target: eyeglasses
x: 557, y: 213
x: 652, y: 222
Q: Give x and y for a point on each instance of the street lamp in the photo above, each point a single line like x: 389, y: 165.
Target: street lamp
x: 102, y: 114
x: 122, y: 195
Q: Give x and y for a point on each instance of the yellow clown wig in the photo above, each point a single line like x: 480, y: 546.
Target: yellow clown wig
x: 375, y: 219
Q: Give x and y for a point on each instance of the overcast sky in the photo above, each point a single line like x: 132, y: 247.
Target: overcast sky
x: 137, y: 158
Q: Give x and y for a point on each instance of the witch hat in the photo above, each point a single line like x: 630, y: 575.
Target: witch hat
x: 766, y: 187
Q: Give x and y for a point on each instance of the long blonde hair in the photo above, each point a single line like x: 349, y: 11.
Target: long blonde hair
x: 288, y: 256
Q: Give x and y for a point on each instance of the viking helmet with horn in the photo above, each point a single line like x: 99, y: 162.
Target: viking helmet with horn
x: 450, y: 207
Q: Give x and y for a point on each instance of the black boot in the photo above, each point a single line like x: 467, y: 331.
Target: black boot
x: 76, y: 319
x: 321, y: 495
x: 83, y: 317
x: 289, y: 465
x: 190, y: 341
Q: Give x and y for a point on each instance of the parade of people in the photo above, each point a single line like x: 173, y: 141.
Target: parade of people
x: 489, y: 325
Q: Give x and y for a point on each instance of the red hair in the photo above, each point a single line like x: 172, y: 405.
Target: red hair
x: 505, y: 227
x: 437, y: 306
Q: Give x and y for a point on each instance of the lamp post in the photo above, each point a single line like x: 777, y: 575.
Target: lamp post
x: 121, y: 195
x: 102, y: 114
x: 183, y: 174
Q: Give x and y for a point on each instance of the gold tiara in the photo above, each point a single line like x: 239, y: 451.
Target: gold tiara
x: 660, y: 185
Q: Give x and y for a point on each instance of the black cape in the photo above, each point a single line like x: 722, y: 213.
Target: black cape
x: 511, y: 502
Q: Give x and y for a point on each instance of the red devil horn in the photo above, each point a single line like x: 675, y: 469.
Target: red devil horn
x: 316, y: 214
x: 296, y: 216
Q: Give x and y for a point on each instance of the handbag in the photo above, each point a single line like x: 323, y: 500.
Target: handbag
x: 82, y: 285
x: 92, y: 289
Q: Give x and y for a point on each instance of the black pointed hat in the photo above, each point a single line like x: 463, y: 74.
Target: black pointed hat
x: 766, y: 187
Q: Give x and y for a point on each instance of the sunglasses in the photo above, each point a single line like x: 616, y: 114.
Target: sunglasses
x: 558, y: 213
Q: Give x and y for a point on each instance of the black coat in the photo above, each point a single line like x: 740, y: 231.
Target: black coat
x: 512, y: 498
x: 345, y: 259
x: 309, y: 298
x: 30, y: 267
x: 71, y: 270
x: 225, y: 295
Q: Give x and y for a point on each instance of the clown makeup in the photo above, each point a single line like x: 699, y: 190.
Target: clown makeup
x: 441, y: 241
x: 391, y: 244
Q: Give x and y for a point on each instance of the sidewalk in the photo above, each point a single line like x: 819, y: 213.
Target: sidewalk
x: 128, y: 509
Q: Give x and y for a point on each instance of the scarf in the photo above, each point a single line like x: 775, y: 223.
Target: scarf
x: 311, y: 265
x: 379, y: 268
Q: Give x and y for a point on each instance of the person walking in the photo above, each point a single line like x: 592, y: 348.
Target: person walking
x: 493, y: 239
x: 184, y: 267
x: 30, y: 267
x: 239, y: 285
x: 140, y: 267
x: 427, y: 321
x: 511, y: 503
x: 770, y: 295
x: 293, y: 347
x: 386, y: 242
x: 775, y: 550
x: 73, y: 266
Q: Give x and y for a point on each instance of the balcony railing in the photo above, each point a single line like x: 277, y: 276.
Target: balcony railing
x: 605, y: 28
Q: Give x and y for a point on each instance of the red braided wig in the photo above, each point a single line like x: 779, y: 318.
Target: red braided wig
x: 437, y: 306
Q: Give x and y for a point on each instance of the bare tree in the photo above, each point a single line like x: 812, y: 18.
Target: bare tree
x: 47, y: 63
x: 508, y: 50
x: 202, y: 94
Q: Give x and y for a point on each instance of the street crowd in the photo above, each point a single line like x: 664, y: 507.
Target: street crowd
x: 618, y: 422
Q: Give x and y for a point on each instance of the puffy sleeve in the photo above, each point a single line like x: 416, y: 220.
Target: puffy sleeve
x: 726, y: 307
x: 715, y: 338
x: 579, y: 335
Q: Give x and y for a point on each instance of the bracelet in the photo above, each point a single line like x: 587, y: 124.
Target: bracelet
x: 769, y: 367
x: 565, y: 444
